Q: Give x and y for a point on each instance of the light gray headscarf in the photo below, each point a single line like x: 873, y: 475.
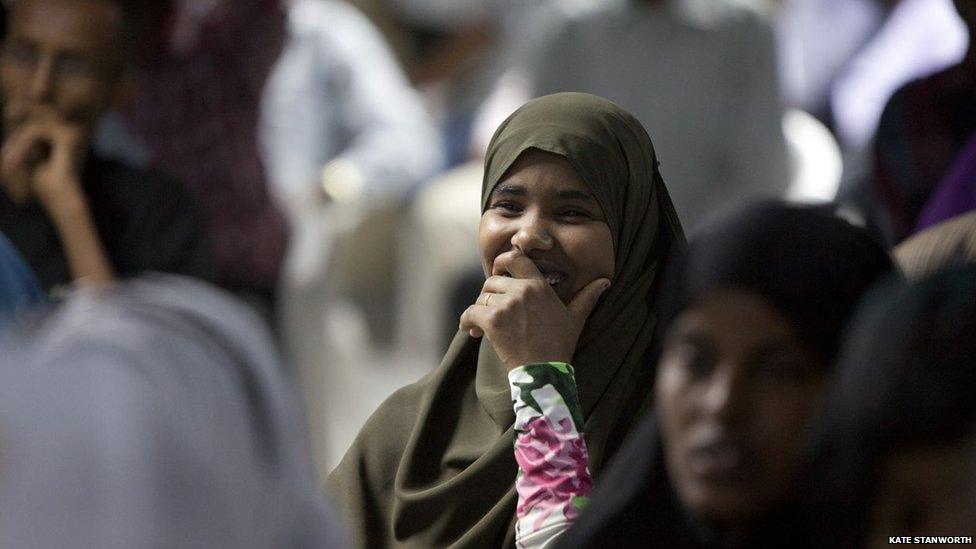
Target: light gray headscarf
x: 154, y: 415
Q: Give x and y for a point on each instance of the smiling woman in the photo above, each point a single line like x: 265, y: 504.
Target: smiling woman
x: 576, y: 221
x: 544, y: 211
x: 541, y: 227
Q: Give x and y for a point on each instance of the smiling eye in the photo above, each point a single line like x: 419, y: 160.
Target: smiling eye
x: 506, y: 207
x: 575, y: 214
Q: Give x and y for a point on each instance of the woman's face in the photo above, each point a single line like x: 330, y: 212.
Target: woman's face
x: 735, y: 392
x: 544, y: 210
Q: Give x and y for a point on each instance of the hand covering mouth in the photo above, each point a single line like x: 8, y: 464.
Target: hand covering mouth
x: 558, y: 279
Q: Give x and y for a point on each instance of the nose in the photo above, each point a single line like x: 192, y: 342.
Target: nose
x: 533, y: 235
x: 42, y: 81
x: 725, y: 397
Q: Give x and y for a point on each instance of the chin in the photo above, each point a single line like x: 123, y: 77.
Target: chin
x: 722, y: 506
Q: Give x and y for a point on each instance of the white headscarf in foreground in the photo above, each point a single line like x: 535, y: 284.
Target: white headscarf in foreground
x: 155, y: 415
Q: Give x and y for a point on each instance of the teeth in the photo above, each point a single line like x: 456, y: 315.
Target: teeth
x: 553, y: 279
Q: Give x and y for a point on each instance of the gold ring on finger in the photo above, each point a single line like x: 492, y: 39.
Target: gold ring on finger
x: 487, y: 299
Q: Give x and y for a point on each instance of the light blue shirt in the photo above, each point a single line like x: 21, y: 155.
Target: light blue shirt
x: 337, y: 92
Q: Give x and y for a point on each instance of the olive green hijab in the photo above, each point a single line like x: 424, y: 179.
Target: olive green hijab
x: 434, y: 465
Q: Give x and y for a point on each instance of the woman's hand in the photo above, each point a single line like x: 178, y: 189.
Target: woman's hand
x: 523, y: 317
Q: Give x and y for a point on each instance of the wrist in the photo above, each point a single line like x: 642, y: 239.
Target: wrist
x: 562, y: 367
x: 541, y: 358
x: 66, y: 207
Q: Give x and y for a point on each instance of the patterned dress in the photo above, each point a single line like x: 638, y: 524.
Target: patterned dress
x: 553, y: 482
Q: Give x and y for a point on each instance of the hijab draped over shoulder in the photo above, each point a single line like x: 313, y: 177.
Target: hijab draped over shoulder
x: 434, y: 465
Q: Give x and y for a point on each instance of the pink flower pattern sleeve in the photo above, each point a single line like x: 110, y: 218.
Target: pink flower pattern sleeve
x: 553, y: 482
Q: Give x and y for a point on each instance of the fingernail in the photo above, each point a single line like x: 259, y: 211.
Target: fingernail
x: 605, y: 285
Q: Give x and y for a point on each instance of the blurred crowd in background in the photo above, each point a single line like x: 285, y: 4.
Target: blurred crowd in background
x: 322, y: 159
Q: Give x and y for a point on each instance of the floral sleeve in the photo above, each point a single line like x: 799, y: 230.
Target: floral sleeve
x: 553, y: 483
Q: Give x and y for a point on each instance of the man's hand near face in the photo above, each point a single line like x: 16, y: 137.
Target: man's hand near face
x: 42, y: 159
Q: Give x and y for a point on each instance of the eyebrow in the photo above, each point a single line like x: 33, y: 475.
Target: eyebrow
x: 572, y: 194
x: 567, y: 194
x: 508, y: 188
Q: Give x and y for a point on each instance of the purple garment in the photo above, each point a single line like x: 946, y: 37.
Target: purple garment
x: 197, y: 112
x: 956, y: 193
x: 925, y: 126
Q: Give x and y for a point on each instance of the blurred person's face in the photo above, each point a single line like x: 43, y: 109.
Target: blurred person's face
x: 926, y: 491
x: 62, y: 56
x: 542, y: 208
x: 735, y: 393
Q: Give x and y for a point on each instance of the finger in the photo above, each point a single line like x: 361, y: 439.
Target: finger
x: 17, y: 185
x: 499, y: 267
x: 520, y: 266
x: 45, y: 112
x: 36, y: 112
x: 21, y: 147
x: 501, y: 284
x: 66, y: 145
x: 516, y: 264
x: 15, y: 112
x: 470, y: 321
x: 586, y: 299
x: 485, y: 299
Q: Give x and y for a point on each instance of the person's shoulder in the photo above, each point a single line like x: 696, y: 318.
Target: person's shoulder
x: 372, y: 461
x: 395, y: 417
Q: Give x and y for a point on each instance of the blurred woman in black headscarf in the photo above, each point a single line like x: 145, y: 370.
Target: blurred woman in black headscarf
x: 753, y: 314
x: 899, y: 451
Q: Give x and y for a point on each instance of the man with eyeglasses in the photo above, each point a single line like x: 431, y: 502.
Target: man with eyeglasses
x: 75, y: 217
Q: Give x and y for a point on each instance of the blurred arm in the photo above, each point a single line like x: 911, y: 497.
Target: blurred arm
x: 86, y: 257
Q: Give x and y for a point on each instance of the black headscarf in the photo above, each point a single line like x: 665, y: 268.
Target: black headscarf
x: 813, y: 267
x: 906, y: 378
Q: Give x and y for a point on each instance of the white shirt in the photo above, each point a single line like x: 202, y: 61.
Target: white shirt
x: 920, y: 37
x: 701, y: 77
x: 337, y: 92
